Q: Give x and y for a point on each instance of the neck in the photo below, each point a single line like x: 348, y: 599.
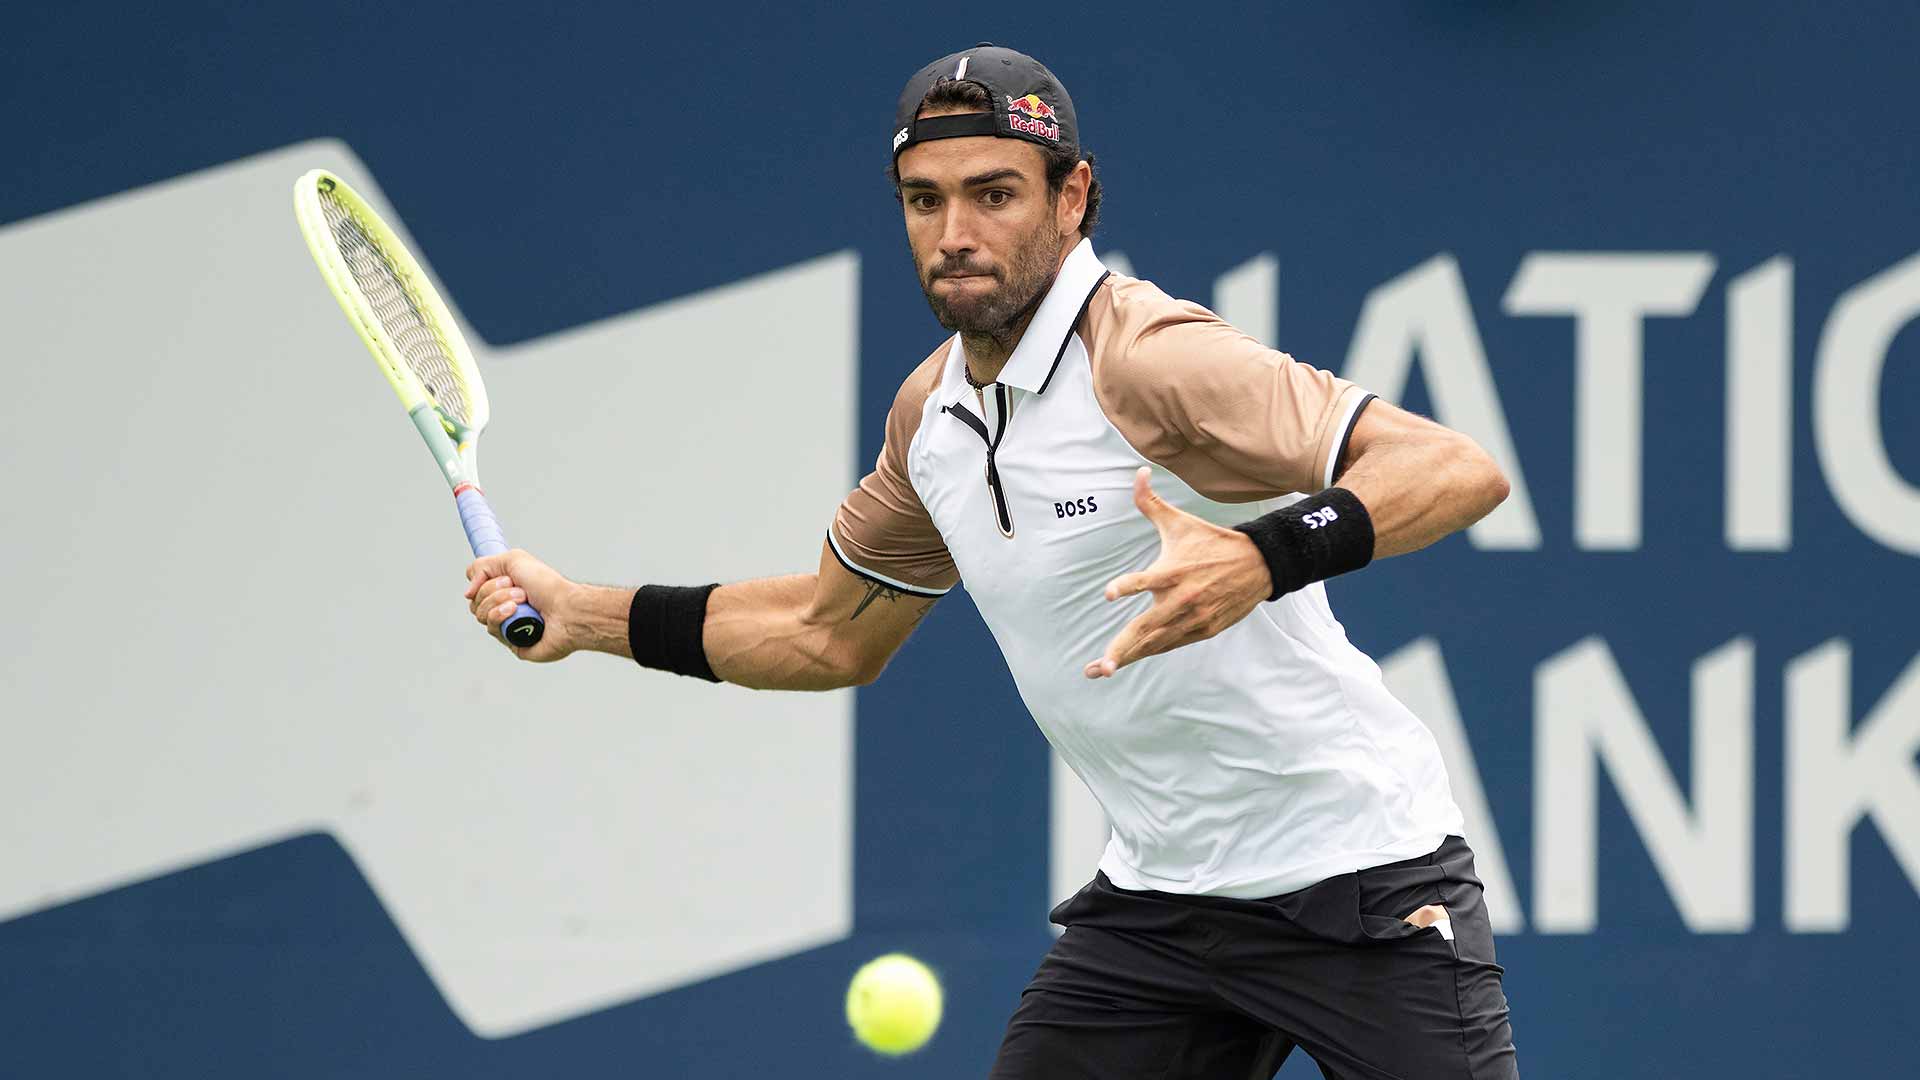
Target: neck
x: 987, y: 354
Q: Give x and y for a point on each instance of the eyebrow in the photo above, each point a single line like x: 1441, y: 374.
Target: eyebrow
x: 971, y: 181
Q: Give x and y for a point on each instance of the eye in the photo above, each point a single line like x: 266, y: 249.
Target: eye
x: 997, y: 197
x: 922, y: 201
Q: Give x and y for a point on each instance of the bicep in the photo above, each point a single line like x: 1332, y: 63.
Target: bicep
x: 1381, y: 424
x: 1418, y: 480
x: 1234, y: 419
x: 870, y: 616
x: 884, y: 562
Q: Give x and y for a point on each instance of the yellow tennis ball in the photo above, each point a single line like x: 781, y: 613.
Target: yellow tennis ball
x: 893, y: 1004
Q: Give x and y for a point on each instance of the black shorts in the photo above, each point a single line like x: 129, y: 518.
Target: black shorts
x: 1151, y: 984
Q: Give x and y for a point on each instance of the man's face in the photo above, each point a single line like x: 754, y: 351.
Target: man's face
x: 986, y: 235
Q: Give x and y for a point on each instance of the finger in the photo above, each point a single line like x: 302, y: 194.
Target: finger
x: 1152, y: 579
x: 481, y: 595
x: 497, y: 592
x: 489, y: 601
x: 1124, y: 648
x: 484, y: 568
x: 498, y: 614
x: 1152, y: 643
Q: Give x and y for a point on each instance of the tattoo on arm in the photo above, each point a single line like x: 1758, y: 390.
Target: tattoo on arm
x: 875, y: 591
x: 924, y: 608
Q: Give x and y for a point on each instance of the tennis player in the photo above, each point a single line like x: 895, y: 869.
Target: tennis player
x: 1143, y: 503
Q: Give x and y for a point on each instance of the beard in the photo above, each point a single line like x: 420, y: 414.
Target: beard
x: 1019, y: 285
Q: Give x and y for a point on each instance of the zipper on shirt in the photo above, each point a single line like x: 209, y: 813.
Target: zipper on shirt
x: 1002, y: 513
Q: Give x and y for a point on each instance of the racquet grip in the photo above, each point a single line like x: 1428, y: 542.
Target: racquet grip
x: 524, y: 627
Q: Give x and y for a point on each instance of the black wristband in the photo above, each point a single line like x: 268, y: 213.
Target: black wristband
x: 664, y: 628
x: 1312, y: 540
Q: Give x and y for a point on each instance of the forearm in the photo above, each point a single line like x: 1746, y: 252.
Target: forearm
x: 1417, y: 491
x: 764, y: 634
x: 819, y: 631
x: 1407, y: 483
x: 760, y: 634
x: 596, y: 618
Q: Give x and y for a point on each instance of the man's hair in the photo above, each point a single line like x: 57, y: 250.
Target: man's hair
x: 965, y: 95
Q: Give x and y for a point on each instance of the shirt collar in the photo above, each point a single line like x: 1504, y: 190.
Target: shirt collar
x: 1031, y: 366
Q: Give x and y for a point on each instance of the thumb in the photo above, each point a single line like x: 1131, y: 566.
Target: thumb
x: 1155, y: 508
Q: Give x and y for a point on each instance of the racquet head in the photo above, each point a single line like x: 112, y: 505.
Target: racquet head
x: 407, y: 327
x: 398, y: 314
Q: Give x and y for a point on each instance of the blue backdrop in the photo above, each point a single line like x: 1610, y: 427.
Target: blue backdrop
x: 652, y: 152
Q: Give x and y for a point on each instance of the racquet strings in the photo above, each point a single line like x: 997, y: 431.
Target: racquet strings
x: 397, y: 307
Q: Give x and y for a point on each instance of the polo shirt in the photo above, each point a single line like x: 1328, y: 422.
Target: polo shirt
x: 1262, y: 760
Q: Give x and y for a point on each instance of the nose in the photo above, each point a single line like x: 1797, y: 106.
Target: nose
x: 957, y: 236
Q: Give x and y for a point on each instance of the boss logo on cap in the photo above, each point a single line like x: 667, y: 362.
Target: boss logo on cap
x: 899, y: 137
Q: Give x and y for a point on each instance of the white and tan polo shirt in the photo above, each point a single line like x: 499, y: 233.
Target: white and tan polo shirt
x: 1262, y: 760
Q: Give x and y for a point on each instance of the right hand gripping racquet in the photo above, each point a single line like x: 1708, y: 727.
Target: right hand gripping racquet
x: 411, y: 333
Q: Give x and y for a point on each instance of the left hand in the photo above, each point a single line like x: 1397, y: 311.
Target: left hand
x: 1206, y: 579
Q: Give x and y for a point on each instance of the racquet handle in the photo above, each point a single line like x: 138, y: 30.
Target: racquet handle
x: 524, y: 627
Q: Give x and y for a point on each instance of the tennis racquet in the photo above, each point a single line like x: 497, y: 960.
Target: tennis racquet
x: 411, y: 333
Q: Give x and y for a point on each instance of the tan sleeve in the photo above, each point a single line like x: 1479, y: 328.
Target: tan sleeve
x: 1234, y: 419
x: 882, y: 531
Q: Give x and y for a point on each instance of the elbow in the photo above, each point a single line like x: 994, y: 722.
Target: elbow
x: 1485, y: 484
x: 865, y: 672
x: 854, y: 667
x: 1494, y: 486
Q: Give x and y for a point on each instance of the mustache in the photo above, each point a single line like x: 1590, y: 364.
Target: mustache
x: 960, y: 269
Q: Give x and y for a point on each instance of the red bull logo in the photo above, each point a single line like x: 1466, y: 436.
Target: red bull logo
x: 1035, y: 121
x: 1032, y: 106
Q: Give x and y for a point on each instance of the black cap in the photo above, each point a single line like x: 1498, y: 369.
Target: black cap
x: 1028, y: 102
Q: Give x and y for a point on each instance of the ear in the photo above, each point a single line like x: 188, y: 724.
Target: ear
x: 1072, y: 207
